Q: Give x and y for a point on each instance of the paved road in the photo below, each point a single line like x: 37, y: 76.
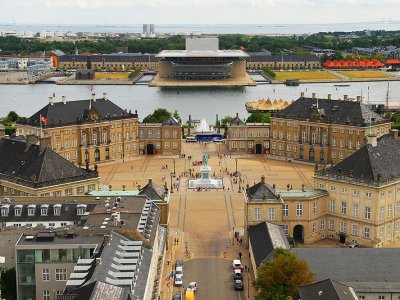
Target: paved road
x: 214, y: 278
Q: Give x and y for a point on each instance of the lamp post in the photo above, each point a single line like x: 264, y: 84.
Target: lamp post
x: 174, y: 166
x: 240, y: 180
x: 172, y: 190
x: 236, y: 160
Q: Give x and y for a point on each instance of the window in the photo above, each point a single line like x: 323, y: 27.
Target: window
x: 368, y: 195
x: 250, y: 145
x: 380, y: 297
x: 167, y: 134
x: 333, y: 188
x: 59, y: 293
x: 43, y: 210
x: 315, y: 208
x: 322, y: 186
x: 314, y: 137
x: 52, y: 225
x: 303, y: 137
x: 166, y: 145
x: 285, y: 229
x: 341, y: 143
x: 333, y: 141
x: 344, y: 190
x: 271, y: 213
x: 45, y: 275
x: 368, y: 213
x: 344, y: 208
x: 332, y: 205
x: 18, y: 210
x: 31, y: 210
x: 299, y: 210
x: 341, y: 156
x: 257, y: 214
x: 342, y: 227
x: 285, y: 210
x: 331, y: 224
x: 61, y: 274
x: 389, y: 211
x: 322, y: 224
x: 381, y: 232
x: 81, y: 209
x: 356, y: 193
x: 366, y: 232
x: 57, y: 209
x: 94, y: 137
x: 355, y: 210
x: 354, y: 229
x: 382, y: 213
x: 314, y: 227
x: 46, y: 295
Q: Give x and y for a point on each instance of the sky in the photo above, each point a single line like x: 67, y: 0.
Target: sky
x: 196, y: 11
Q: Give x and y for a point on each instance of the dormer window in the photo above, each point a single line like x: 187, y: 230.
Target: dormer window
x: 31, y: 210
x: 18, y: 210
x: 44, y: 209
x: 4, y: 210
x: 57, y: 209
x: 81, y: 209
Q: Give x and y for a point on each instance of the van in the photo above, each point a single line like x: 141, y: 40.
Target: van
x: 189, y: 295
x: 191, y: 139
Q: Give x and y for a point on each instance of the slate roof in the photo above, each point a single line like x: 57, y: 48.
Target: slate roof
x: 264, y: 239
x: 33, y: 167
x: 113, y: 57
x: 330, y: 111
x: 236, y: 121
x: 371, y: 163
x: 265, y: 57
x: 262, y: 191
x: 97, y: 290
x: 76, y: 112
x: 327, y: 290
x: 68, y: 213
x: 153, y: 191
x: 171, y: 121
x: 348, y: 265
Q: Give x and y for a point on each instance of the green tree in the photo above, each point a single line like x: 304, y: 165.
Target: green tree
x: 226, y: 121
x: 258, y: 117
x: 280, y: 277
x: 8, y: 284
x: 158, y: 116
x: 12, y: 116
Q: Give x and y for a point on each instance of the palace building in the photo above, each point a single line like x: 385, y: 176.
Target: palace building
x: 96, y: 130
x: 309, y: 129
x: 356, y: 201
x: 28, y: 168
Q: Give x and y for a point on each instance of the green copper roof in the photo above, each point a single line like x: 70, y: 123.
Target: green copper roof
x: 300, y: 193
x: 114, y: 193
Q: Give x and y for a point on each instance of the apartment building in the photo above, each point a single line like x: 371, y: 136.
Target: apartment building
x: 28, y: 168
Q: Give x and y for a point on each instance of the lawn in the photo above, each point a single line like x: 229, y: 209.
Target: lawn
x: 106, y: 75
x: 314, y: 75
x: 365, y: 74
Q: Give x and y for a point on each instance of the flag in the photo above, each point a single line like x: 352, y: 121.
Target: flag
x: 43, y: 120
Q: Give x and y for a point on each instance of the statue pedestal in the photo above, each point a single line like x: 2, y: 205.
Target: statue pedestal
x: 205, y: 181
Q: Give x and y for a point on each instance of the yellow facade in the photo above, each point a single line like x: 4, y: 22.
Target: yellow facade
x: 252, y: 138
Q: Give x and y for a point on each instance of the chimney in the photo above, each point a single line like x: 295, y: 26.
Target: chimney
x: 98, y: 260
x: 150, y: 181
x: 31, y: 139
x: 94, y: 97
x: 64, y: 99
x: 314, y: 95
x: 345, y: 97
x: 302, y: 95
x: 51, y: 101
x: 358, y: 99
x: 44, y: 142
x: 394, y: 133
x: 107, y: 238
x: 263, y: 179
x: 105, y: 96
x: 372, y: 140
x: 329, y: 97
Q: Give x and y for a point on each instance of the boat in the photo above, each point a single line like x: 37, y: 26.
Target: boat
x: 292, y: 82
x: 262, y: 105
x: 341, y: 85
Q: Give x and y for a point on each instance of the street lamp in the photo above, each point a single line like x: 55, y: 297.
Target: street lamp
x: 240, y: 188
x: 174, y: 166
x: 172, y: 190
x: 236, y: 166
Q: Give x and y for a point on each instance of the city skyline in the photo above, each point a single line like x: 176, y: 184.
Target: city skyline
x: 193, y: 12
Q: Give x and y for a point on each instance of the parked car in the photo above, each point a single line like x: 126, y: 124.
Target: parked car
x: 177, y: 296
x: 192, y: 287
x: 178, y: 280
x: 191, y: 139
x: 238, y: 283
x: 237, y: 274
x: 236, y: 264
x: 353, y: 245
x: 179, y: 270
x: 179, y: 262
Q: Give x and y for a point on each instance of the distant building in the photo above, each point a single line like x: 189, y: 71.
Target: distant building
x: 259, y: 60
x: 327, y: 289
x: 84, y: 74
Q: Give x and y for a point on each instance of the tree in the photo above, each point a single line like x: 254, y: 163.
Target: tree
x: 158, y: 116
x: 226, y: 121
x: 177, y: 116
x: 280, y: 277
x: 12, y: 116
x: 8, y: 284
x: 258, y: 117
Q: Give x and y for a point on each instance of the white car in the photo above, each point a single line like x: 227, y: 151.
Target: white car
x: 178, y: 280
x: 192, y: 287
x: 179, y: 270
x: 237, y: 265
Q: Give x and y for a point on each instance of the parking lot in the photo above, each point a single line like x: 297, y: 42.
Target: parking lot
x: 214, y: 279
